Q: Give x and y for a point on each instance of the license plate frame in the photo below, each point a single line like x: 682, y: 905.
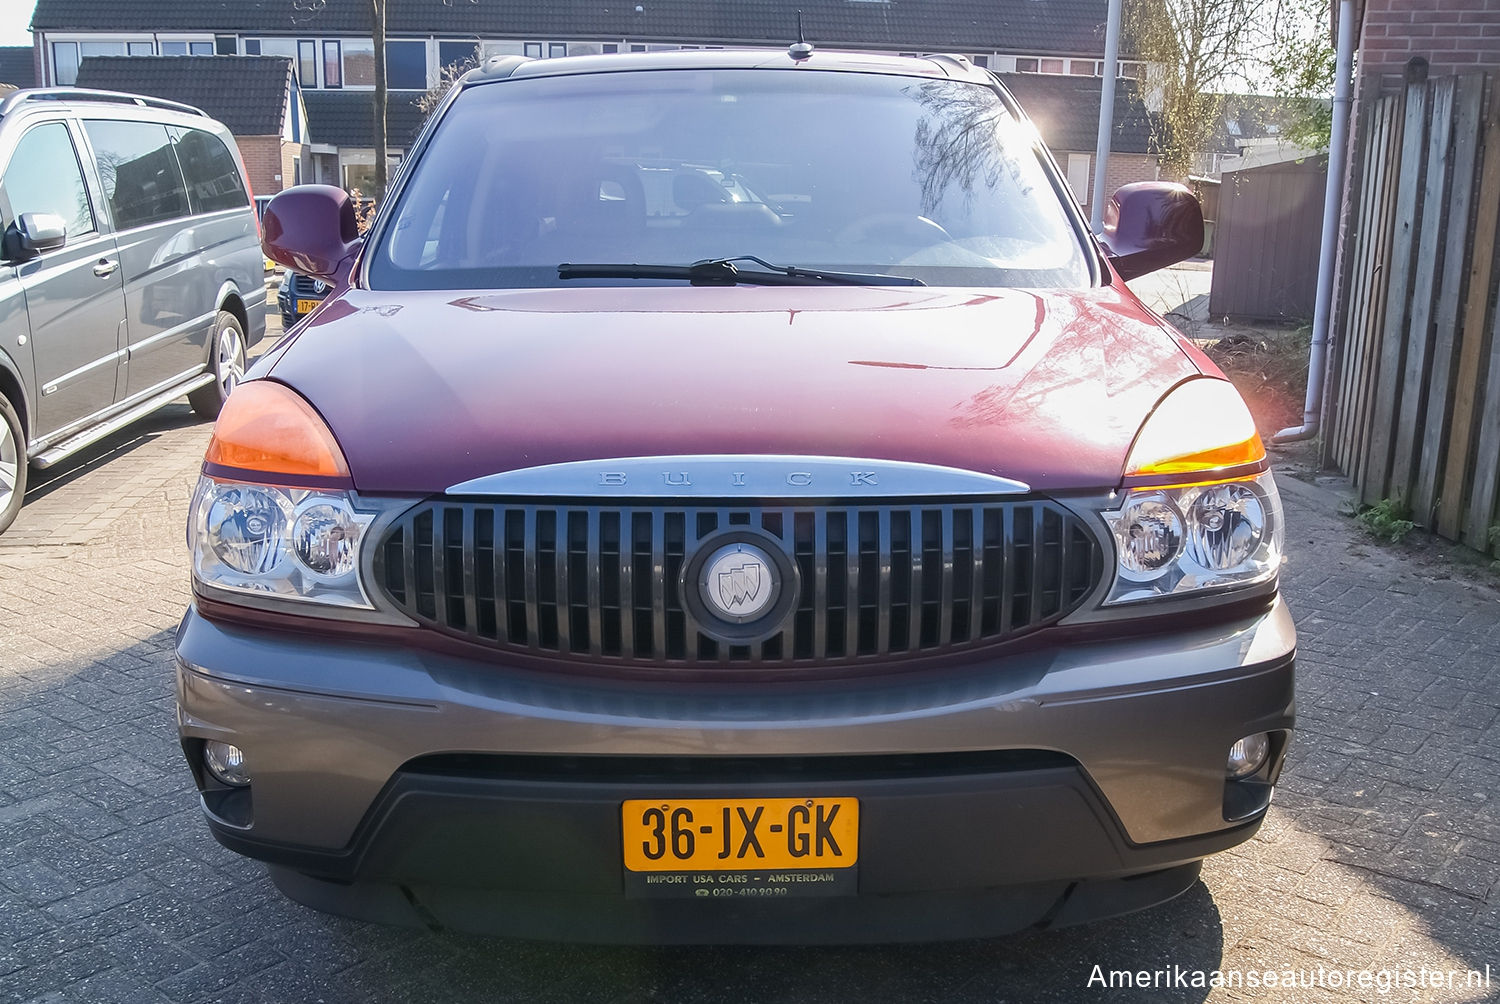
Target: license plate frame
x: 740, y: 847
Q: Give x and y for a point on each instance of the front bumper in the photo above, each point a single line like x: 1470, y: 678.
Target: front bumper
x: 408, y: 785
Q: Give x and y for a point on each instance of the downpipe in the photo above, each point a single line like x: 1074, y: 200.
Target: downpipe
x: 1338, y: 152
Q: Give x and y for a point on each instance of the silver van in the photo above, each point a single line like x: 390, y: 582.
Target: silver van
x: 130, y: 270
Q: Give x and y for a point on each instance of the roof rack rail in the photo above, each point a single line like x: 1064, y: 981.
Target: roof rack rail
x: 953, y: 60
x: 86, y: 94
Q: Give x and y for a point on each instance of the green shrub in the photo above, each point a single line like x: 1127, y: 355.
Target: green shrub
x: 1388, y: 519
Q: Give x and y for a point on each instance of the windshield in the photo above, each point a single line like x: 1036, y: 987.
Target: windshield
x: 929, y: 179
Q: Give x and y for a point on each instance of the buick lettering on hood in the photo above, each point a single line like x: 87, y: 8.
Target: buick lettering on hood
x: 732, y: 497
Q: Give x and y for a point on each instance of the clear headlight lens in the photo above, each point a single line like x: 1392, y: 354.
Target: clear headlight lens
x: 292, y: 543
x: 1171, y: 541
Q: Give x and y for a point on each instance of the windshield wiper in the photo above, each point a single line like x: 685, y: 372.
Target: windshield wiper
x: 722, y: 272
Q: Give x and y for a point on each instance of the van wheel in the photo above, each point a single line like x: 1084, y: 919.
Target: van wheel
x: 226, y: 360
x: 12, y: 465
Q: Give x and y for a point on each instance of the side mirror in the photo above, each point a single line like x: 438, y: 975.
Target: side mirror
x: 33, y: 233
x: 311, y: 229
x: 1150, y: 225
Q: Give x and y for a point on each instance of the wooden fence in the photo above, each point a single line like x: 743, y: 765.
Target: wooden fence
x: 1414, y: 392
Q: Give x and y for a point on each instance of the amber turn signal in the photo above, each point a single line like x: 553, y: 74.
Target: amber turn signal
x: 1200, y: 427
x: 268, y: 428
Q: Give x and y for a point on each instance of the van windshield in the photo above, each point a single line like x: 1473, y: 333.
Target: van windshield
x: 929, y: 179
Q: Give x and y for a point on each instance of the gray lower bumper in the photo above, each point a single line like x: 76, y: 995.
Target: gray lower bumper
x: 326, y: 725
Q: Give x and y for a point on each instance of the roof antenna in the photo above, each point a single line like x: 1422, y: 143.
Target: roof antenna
x: 800, y: 49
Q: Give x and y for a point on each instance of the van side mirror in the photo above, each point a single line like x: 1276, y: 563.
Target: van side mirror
x: 311, y: 229
x: 33, y: 233
x: 1150, y: 225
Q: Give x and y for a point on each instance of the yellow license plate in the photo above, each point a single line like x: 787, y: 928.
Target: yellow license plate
x: 303, y: 306
x: 755, y: 834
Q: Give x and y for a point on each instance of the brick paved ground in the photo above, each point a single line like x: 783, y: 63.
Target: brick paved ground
x: 1383, y: 848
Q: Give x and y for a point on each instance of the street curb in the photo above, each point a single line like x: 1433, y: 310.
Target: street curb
x: 1333, y: 501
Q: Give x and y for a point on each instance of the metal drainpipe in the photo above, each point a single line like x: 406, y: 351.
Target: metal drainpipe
x: 1338, y: 150
x: 1106, y: 116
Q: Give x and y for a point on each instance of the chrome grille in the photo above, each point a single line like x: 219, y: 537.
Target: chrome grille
x: 603, y: 583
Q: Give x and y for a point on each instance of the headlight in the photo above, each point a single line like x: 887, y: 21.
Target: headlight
x: 293, y: 543
x: 1171, y: 541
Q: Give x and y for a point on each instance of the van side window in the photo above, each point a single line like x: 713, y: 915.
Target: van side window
x: 44, y: 176
x: 139, y: 170
x: 213, y: 177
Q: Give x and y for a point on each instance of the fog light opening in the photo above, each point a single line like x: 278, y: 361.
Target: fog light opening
x: 226, y: 762
x: 1248, y: 756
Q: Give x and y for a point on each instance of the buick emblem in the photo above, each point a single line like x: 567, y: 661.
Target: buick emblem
x: 739, y: 583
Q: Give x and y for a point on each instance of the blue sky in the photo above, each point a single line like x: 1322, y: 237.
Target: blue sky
x: 15, y: 15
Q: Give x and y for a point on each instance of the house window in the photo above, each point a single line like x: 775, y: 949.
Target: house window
x: 187, y: 48
x: 637, y: 48
x: 983, y: 62
x: 226, y: 45
x: 1083, y: 68
x: 1130, y: 70
x: 87, y: 49
x: 533, y: 50
x: 1052, y: 66
x: 1078, y: 176
x: 611, y: 47
x: 307, y: 63
x: 556, y: 50
x: 65, y: 62
x: 359, y: 63
x: 252, y: 47
x: 139, y: 49
x: 406, y: 65
x: 461, y: 54
x: 1024, y: 65
x: 333, y: 66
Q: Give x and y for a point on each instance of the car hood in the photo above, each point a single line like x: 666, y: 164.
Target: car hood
x: 424, y: 390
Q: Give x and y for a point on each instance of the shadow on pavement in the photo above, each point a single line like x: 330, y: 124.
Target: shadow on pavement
x: 41, y: 483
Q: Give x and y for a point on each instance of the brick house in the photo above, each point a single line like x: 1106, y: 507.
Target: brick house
x: 257, y: 97
x: 1453, y: 36
x: 1065, y: 111
x: 333, y: 55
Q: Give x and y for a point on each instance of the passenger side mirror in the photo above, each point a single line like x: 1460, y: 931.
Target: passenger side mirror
x: 1150, y: 225
x: 311, y: 229
x: 33, y: 233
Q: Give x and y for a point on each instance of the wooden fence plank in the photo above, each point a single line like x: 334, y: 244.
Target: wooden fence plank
x: 1339, y: 447
x: 1430, y: 242
x: 1385, y: 238
x: 1469, y: 111
x: 1473, y: 326
x: 1349, y: 239
x: 1481, y: 508
x: 1374, y: 485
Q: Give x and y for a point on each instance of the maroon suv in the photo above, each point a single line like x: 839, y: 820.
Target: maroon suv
x: 731, y: 496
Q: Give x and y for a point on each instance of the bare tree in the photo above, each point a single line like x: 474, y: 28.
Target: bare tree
x: 310, y: 8
x: 1194, y: 50
x: 377, y: 30
x: 1302, y: 66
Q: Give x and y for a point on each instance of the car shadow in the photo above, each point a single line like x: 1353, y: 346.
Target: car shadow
x: 41, y: 483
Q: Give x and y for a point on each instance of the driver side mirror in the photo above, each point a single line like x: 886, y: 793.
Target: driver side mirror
x: 33, y: 233
x: 311, y: 229
x: 1150, y: 225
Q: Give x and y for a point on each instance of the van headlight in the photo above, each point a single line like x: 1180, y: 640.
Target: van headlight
x: 291, y: 543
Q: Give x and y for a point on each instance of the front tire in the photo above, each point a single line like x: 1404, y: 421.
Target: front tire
x: 12, y: 464
x: 226, y: 360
